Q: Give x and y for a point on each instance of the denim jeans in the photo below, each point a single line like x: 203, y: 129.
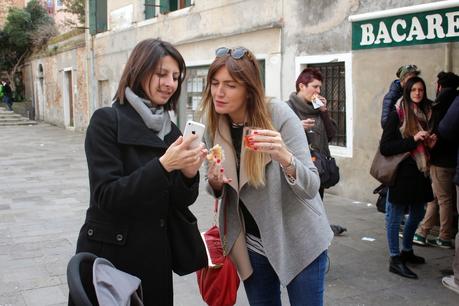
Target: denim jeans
x: 394, y: 215
x: 8, y: 102
x: 307, y: 288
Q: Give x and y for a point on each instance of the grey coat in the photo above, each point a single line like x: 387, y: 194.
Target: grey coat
x: 291, y: 218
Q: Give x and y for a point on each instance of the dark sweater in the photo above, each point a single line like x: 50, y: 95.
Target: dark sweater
x: 411, y: 186
x: 444, y: 153
x: 391, y: 97
x: 449, y: 129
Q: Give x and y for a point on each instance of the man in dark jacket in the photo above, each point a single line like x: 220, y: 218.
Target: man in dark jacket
x: 449, y: 129
x: 442, y: 169
x: 404, y: 73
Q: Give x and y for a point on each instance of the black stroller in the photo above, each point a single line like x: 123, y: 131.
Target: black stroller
x: 94, y: 280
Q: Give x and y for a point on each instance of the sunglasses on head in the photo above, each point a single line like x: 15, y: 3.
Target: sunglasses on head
x: 236, y: 53
x: 411, y: 67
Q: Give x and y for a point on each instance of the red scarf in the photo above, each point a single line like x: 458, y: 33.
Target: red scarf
x: 420, y: 154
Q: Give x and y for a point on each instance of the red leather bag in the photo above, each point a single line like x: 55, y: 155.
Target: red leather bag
x: 218, y: 283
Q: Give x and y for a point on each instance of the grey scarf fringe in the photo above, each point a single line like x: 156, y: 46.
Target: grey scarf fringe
x: 155, y: 118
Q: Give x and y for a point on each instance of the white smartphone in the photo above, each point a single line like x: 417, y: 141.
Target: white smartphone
x: 194, y: 128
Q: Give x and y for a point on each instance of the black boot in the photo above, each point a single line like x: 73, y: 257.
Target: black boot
x: 397, y: 266
x: 408, y: 256
x: 337, y: 229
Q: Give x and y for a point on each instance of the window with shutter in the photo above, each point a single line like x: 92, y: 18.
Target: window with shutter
x: 150, y: 9
x: 167, y: 6
x: 97, y: 16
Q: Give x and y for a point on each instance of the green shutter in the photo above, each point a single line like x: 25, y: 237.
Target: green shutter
x: 92, y: 17
x: 173, y: 5
x: 101, y: 16
x: 164, y: 6
x: 187, y: 3
x: 150, y: 9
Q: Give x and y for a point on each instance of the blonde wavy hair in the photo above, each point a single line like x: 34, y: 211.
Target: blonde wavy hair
x: 244, y: 71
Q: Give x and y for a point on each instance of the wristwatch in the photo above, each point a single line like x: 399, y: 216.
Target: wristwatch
x: 290, y: 167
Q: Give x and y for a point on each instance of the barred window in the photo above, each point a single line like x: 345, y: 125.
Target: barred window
x: 334, y: 90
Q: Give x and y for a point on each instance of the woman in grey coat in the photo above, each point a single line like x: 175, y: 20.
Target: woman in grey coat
x: 277, y: 230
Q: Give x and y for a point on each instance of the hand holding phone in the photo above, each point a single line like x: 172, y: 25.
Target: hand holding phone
x: 194, y: 128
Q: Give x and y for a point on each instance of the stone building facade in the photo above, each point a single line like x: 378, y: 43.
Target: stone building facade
x: 5, y: 5
x: 56, y: 83
x: 286, y: 36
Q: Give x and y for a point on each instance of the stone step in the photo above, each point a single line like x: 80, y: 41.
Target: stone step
x: 10, y: 118
x: 13, y: 116
x: 20, y: 118
x: 25, y: 122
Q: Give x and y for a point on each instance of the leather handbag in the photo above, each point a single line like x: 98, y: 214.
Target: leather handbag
x: 327, y: 167
x: 187, y: 246
x: 384, y: 168
x: 219, y: 281
x: 381, y: 191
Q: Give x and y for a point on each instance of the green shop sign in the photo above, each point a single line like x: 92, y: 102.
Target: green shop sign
x: 431, y: 27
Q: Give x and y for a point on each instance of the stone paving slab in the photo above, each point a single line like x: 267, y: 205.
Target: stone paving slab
x: 44, y: 195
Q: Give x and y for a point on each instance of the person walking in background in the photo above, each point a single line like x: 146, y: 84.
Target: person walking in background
x: 139, y: 167
x: 407, y: 130
x: 442, y: 169
x: 404, y: 73
x: 316, y: 121
x: 449, y: 129
x: 1, y: 90
x: 277, y: 228
x: 7, y: 95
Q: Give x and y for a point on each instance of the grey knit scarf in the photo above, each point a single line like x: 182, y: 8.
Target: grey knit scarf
x: 154, y: 117
x: 305, y: 110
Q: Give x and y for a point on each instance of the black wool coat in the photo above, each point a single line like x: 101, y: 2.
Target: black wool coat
x: 130, y: 198
x: 411, y: 187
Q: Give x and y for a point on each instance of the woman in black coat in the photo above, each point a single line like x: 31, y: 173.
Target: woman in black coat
x: 407, y: 131
x: 139, y: 167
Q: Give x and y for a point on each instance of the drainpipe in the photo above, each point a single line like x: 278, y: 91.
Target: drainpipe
x: 448, y: 56
x: 282, y: 52
x: 92, y: 82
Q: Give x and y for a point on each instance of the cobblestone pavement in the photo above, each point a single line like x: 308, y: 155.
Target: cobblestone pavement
x: 44, y: 194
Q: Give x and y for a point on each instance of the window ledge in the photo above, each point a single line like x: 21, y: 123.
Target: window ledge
x: 341, y: 151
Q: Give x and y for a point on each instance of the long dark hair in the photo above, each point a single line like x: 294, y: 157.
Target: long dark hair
x: 141, y: 64
x: 411, y: 120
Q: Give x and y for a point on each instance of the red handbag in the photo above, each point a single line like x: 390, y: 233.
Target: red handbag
x: 218, y: 283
